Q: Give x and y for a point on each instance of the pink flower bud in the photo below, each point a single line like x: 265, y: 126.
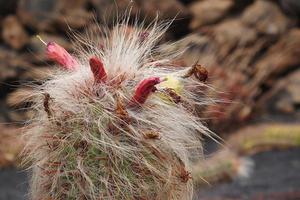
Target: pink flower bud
x: 98, y: 70
x: 61, y: 56
x: 145, y: 88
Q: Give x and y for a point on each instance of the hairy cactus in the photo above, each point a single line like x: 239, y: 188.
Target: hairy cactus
x: 116, y: 122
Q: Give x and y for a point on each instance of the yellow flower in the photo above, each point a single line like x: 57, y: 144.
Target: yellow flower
x: 171, y: 83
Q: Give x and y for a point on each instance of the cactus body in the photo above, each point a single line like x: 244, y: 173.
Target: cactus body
x: 102, y: 129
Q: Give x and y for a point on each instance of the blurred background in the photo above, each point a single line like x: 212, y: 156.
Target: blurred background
x: 251, y: 49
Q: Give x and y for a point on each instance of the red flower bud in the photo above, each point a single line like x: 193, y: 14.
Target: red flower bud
x: 98, y: 70
x: 145, y: 88
x: 61, y: 56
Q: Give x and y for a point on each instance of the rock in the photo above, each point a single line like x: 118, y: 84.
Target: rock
x: 197, y: 47
x: 232, y: 33
x: 146, y: 11
x: 14, y: 71
x: 279, y: 70
x: 186, y: 1
x: 281, y: 57
x: 293, y: 87
x: 11, y: 66
x: 243, y: 61
x: 74, y: 19
x: 73, y: 16
x: 170, y: 10
x: 240, y: 5
x: 167, y: 9
x: 266, y: 17
x: 285, y: 105
x: 287, y: 97
x: 43, y: 15
x: 37, y: 14
x: 108, y: 11
x: 76, y: 4
x: 292, y: 7
x: 209, y: 11
x: 7, y: 7
x: 13, y: 33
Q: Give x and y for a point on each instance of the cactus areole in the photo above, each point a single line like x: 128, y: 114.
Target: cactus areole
x: 111, y: 123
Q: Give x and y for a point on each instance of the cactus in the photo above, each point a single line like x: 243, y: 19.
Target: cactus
x: 111, y: 123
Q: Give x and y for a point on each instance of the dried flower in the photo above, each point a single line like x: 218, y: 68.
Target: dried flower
x: 198, y: 71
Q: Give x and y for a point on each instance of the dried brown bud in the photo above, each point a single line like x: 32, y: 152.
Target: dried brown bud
x: 201, y: 73
x: 198, y: 71
x: 172, y: 95
x: 151, y: 134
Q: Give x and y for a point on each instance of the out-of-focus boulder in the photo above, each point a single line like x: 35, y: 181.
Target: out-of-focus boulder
x: 209, y: 11
x: 285, y: 97
x: 72, y: 15
x: 282, y: 56
x: 74, y: 19
x: 146, y: 11
x: 293, y: 87
x: 266, y: 17
x: 15, y: 70
x: 197, y: 47
x: 108, y: 10
x: 48, y: 15
x: 11, y: 65
x: 186, y: 1
x: 37, y: 14
x: 8, y: 6
x: 167, y: 9
x: 13, y: 32
x: 292, y: 7
x: 150, y: 9
x: 232, y: 33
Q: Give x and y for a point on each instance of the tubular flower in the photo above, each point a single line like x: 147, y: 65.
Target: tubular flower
x: 145, y: 88
x: 98, y: 70
x: 61, y: 56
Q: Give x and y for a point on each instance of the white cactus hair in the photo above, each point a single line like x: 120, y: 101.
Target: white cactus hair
x: 86, y: 143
